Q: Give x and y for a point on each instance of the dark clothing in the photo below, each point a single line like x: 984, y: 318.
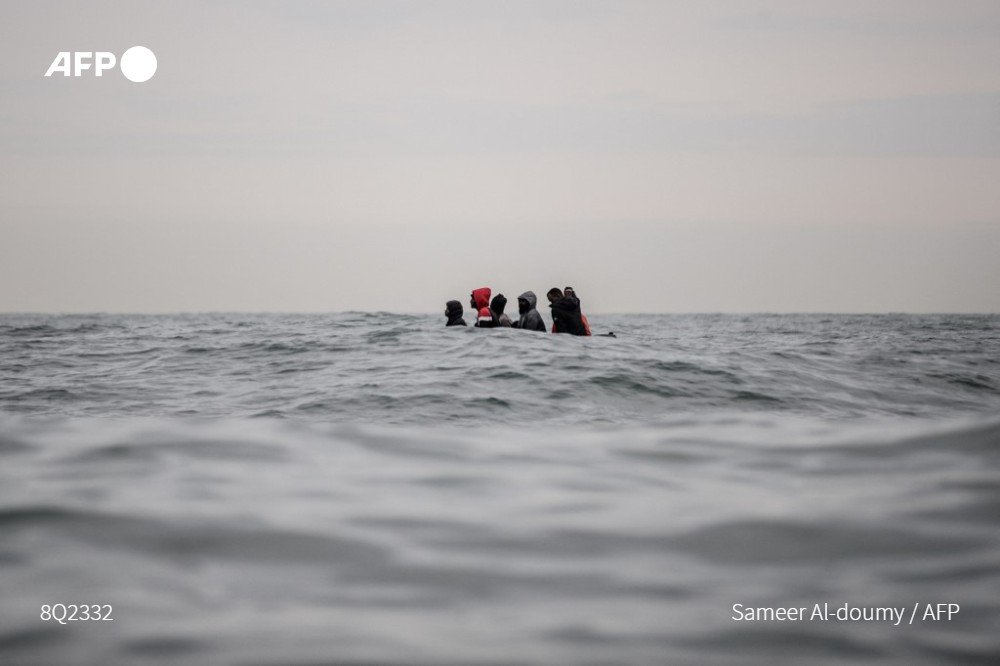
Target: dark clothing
x: 497, y: 306
x: 484, y: 316
x: 566, y: 316
x: 530, y: 319
x: 571, y: 293
x: 453, y: 310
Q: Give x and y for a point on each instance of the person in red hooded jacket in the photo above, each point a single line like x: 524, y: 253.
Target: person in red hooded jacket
x: 480, y: 303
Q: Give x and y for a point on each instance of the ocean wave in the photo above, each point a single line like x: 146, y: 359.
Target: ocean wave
x: 389, y: 368
x: 283, y: 488
x: 187, y: 526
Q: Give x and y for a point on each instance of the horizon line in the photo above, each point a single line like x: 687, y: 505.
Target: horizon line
x: 167, y: 313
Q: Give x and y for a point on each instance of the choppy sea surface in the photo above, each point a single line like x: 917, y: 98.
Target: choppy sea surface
x: 376, y: 488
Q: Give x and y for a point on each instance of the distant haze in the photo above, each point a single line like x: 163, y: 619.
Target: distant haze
x: 658, y: 156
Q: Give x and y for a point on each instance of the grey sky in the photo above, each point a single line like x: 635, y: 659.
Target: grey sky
x: 726, y: 156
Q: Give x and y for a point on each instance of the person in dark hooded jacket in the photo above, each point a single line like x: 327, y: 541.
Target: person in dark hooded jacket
x: 569, y: 292
x: 480, y: 303
x: 453, y: 311
x: 565, y: 313
x: 497, y: 306
x: 530, y: 319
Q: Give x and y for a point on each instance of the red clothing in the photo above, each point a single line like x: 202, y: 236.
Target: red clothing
x: 481, y: 297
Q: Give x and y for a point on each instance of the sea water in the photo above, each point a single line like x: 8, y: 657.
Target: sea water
x: 376, y: 488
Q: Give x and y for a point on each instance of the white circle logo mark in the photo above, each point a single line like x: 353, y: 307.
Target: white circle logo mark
x: 138, y: 64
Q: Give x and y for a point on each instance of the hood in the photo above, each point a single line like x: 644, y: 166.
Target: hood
x: 498, y: 303
x: 454, y: 309
x: 531, y: 298
x: 481, y: 297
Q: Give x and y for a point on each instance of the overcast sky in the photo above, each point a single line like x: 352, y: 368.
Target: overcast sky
x: 660, y: 156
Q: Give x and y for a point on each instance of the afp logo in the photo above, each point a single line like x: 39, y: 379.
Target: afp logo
x: 138, y: 64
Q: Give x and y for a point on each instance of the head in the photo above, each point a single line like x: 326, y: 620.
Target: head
x: 480, y: 298
x: 554, y: 294
x: 569, y: 291
x: 526, y: 302
x: 453, y: 309
x: 498, y: 304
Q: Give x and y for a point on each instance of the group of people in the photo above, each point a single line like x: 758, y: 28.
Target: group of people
x: 565, y: 306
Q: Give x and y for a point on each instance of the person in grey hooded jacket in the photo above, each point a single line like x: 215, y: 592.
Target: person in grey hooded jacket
x: 530, y: 319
